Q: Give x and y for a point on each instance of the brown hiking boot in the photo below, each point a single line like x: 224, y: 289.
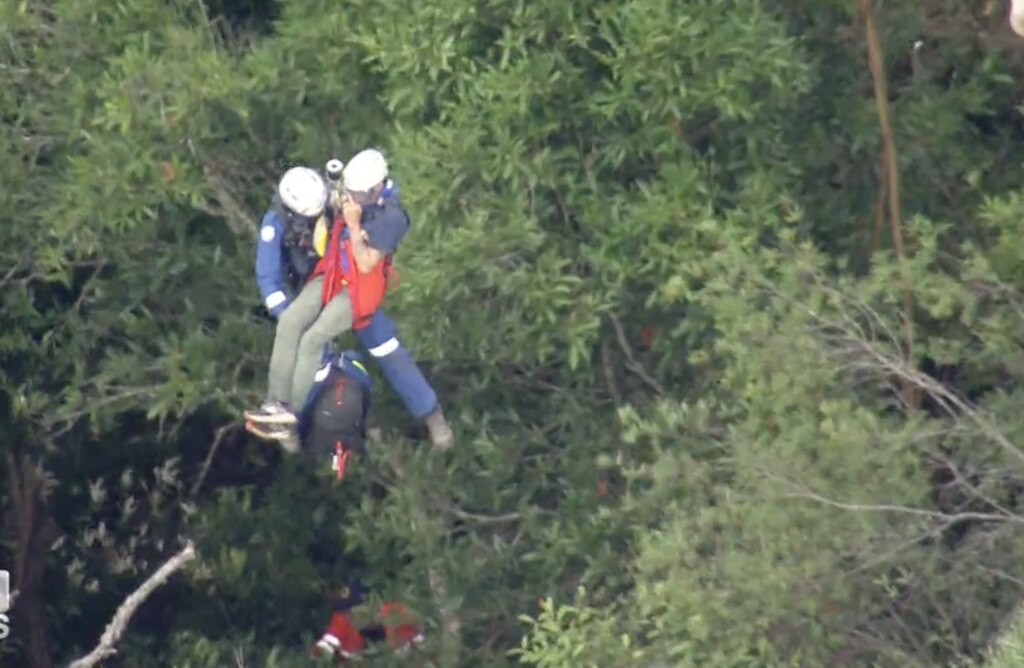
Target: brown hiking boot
x: 441, y: 434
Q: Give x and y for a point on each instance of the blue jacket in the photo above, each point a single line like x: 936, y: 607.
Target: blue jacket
x: 284, y: 258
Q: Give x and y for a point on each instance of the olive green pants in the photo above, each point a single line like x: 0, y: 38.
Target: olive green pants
x: 303, y: 330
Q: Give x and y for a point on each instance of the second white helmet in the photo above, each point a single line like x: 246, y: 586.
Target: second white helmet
x: 365, y: 170
x: 303, y: 191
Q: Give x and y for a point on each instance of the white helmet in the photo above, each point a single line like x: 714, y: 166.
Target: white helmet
x: 365, y: 170
x: 303, y: 191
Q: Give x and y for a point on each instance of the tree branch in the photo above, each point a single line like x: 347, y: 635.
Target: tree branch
x: 962, y: 480
x: 854, y: 335
x: 631, y: 362
x: 846, y: 339
x: 802, y: 492
x: 228, y: 206
x: 68, y: 422
x: 217, y: 440
x: 609, y: 374
x: 481, y: 519
x: 877, y: 67
x: 867, y: 356
x: 116, y: 627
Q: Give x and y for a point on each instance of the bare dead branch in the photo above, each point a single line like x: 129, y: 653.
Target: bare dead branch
x: 951, y: 401
x: 947, y: 518
x: 116, y: 627
x: 846, y: 340
x: 799, y: 491
x: 962, y: 481
x: 218, y: 438
x: 631, y: 362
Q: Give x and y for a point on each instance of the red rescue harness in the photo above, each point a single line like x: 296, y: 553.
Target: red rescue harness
x: 338, y: 266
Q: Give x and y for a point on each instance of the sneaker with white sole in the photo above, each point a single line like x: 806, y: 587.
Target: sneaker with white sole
x: 272, y: 412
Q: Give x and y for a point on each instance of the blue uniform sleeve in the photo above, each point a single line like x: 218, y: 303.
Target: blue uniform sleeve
x: 387, y: 230
x: 270, y: 264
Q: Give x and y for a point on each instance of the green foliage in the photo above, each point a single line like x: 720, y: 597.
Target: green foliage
x: 644, y: 273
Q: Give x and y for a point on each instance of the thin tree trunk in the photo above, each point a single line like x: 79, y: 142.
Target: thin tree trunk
x: 911, y: 396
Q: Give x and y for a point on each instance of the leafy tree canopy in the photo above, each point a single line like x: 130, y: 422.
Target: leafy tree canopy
x: 724, y: 300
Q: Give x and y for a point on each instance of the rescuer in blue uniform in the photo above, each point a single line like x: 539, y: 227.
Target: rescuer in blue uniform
x: 293, y: 244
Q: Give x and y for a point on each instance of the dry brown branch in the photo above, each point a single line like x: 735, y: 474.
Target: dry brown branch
x: 115, y: 629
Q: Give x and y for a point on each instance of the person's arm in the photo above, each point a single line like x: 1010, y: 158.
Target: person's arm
x: 269, y: 264
x: 369, y: 247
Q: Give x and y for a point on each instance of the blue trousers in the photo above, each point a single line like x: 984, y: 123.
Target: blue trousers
x: 380, y: 338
